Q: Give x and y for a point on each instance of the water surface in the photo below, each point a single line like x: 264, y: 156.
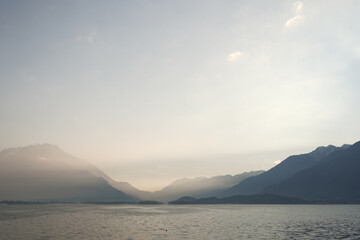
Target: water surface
x: 179, y: 222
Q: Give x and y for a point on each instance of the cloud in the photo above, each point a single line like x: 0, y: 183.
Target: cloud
x: 298, y: 6
x: 298, y: 19
x: 91, y: 37
x: 234, y: 56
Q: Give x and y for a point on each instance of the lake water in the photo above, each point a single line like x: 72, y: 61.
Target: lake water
x: 127, y: 222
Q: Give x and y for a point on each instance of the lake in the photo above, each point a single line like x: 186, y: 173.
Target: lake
x: 156, y: 222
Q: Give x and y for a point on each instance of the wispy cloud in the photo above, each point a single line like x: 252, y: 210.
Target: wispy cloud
x: 294, y: 21
x: 298, y: 6
x: 91, y: 37
x: 234, y: 56
x: 298, y: 18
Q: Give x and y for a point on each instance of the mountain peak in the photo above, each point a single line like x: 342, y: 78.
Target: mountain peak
x: 46, y: 150
x: 43, y: 146
x: 345, y: 146
x: 187, y: 180
x: 321, y: 152
x: 322, y: 148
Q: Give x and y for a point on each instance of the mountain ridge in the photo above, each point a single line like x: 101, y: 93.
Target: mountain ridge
x: 336, y: 177
x: 201, y: 186
x: 44, y: 172
x: 288, y: 167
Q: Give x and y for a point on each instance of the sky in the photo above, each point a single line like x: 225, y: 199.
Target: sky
x: 154, y: 91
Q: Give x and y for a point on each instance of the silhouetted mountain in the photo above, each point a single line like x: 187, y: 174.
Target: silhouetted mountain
x: 184, y: 200
x: 149, y: 203
x: 201, y: 186
x: 282, y: 171
x: 46, y: 173
x: 242, y: 199
x: 337, y: 176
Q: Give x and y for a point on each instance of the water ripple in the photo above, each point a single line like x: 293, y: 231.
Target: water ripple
x: 131, y: 222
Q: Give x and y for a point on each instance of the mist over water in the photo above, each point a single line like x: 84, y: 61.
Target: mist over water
x: 179, y: 222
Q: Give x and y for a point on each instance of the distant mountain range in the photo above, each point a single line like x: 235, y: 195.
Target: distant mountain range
x: 326, y: 175
x: 45, y: 173
x: 201, y: 186
x: 197, y: 187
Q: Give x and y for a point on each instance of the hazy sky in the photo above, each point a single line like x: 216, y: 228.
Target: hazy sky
x: 152, y: 91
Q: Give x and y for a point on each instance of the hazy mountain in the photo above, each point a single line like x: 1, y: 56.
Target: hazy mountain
x: 282, y: 171
x: 46, y: 173
x: 337, y: 176
x: 201, y: 186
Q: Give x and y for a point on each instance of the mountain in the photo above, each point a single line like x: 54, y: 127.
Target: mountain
x: 201, y: 186
x: 282, y: 171
x: 46, y: 173
x: 198, y: 187
x: 337, y: 176
x: 242, y: 199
